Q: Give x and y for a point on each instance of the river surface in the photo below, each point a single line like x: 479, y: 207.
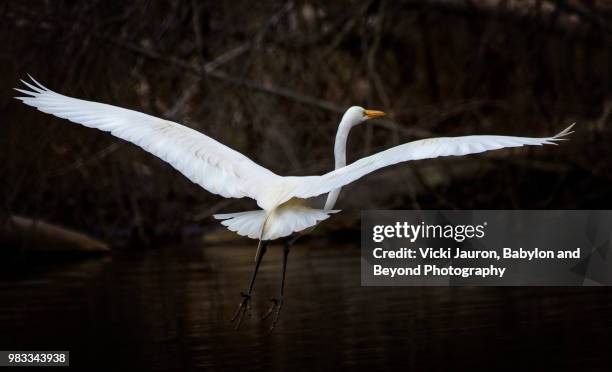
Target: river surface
x: 168, y: 309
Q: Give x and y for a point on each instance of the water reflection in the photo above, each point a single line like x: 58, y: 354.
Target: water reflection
x: 169, y: 309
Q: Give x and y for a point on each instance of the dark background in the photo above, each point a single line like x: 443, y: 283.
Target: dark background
x: 272, y: 79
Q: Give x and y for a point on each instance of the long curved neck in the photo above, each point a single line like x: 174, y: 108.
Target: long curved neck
x: 340, y: 159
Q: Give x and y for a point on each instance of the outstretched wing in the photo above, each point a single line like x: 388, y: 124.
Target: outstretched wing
x: 306, y: 187
x: 206, y: 162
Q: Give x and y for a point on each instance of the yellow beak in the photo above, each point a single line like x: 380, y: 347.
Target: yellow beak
x: 371, y: 114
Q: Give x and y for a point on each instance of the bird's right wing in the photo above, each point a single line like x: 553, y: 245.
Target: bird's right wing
x: 311, y: 186
x: 206, y: 162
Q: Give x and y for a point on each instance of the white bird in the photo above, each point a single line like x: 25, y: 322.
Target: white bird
x: 226, y: 172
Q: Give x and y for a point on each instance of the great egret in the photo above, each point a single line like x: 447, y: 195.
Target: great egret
x: 226, y: 172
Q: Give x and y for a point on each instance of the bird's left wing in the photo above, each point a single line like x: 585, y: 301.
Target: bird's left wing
x: 206, y: 162
x: 310, y: 186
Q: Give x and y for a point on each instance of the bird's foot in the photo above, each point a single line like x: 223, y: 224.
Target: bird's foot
x: 274, y: 310
x: 271, y: 309
x: 243, y: 308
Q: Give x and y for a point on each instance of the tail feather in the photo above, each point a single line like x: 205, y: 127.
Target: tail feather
x: 247, y: 224
x: 282, y: 222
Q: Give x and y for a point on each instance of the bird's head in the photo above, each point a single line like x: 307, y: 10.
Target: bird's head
x: 356, y: 115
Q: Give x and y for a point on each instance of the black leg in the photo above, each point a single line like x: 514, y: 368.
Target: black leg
x: 244, y: 305
x: 277, y: 304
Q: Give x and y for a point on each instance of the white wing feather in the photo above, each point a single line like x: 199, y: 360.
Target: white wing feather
x: 224, y: 171
x: 208, y: 163
x: 306, y: 187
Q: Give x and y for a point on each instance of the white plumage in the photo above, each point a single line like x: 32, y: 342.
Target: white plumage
x: 206, y: 162
x: 282, y: 221
x: 310, y: 186
x: 226, y: 172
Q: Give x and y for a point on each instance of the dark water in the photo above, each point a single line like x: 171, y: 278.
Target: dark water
x: 169, y: 310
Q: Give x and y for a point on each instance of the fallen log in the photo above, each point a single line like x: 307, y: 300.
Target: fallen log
x: 34, y: 235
